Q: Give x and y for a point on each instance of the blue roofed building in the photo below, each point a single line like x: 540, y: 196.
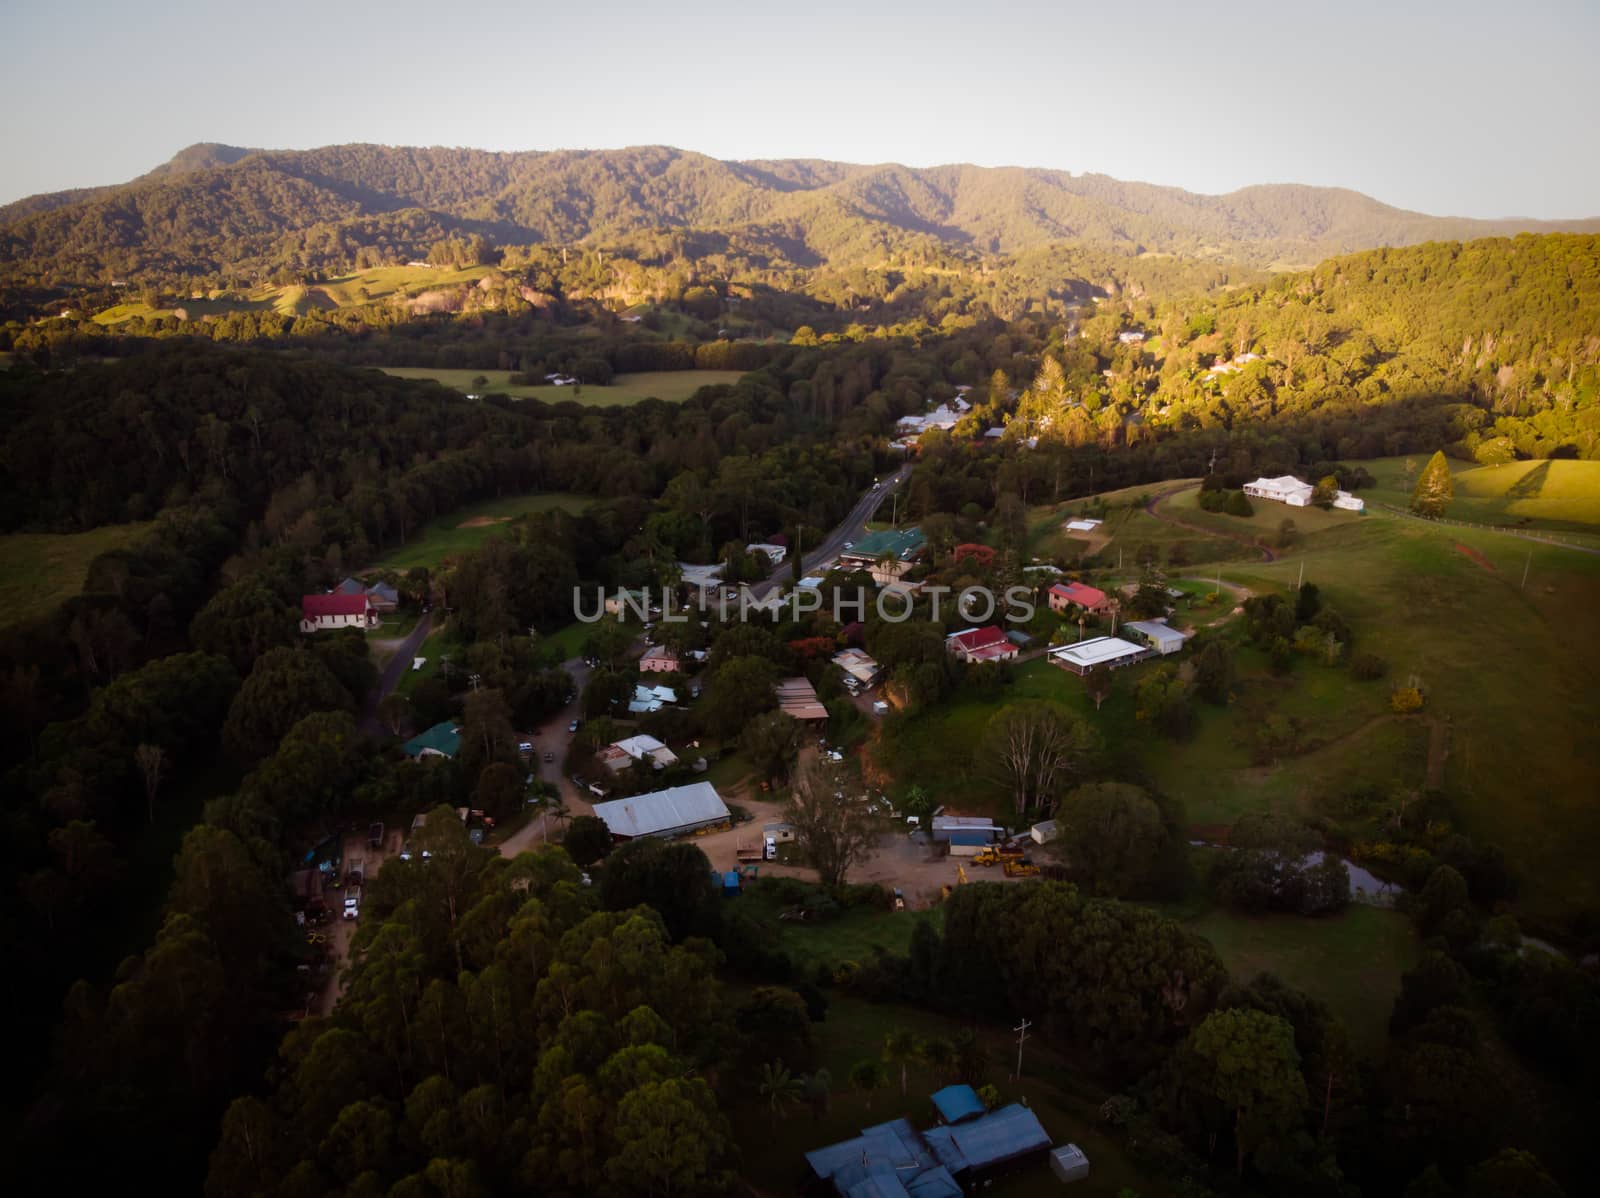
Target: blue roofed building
x: 442, y: 740
x: 895, y: 1160
x: 1000, y: 1140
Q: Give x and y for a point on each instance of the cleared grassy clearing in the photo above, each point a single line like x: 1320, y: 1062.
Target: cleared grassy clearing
x: 1351, y: 961
x: 1561, y: 497
x: 39, y: 571
x: 673, y: 386
x: 468, y: 527
x: 1263, y: 524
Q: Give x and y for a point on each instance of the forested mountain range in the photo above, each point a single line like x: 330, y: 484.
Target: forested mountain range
x: 218, y: 209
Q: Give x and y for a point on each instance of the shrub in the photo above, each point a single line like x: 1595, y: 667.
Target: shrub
x: 1405, y: 699
x: 1368, y: 666
x: 1239, y: 505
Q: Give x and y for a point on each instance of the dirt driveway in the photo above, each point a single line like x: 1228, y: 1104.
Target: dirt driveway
x: 340, y: 931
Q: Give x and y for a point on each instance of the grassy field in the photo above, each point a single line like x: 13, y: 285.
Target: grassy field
x: 1507, y: 671
x: 1125, y: 529
x: 468, y: 527
x: 1351, y: 961
x: 854, y: 936
x: 362, y: 287
x: 1060, y: 1095
x: 674, y: 386
x: 1263, y: 524
x: 38, y: 571
x: 1561, y: 497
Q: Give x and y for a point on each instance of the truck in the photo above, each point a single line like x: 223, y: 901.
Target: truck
x: 996, y: 855
x: 1022, y: 868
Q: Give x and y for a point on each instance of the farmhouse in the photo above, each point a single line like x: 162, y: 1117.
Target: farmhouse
x: 1132, y: 337
x: 1108, y: 651
x: 1161, y: 637
x: 885, y: 555
x: 980, y: 644
x: 320, y: 612
x: 1066, y: 595
x: 622, y: 754
x: 1288, y: 489
x: 442, y: 740
x: 658, y: 659
x: 673, y: 812
x: 797, y: 698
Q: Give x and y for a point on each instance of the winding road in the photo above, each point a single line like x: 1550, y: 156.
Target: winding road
x: 393, y: 672
x: 851, y: 528
x: 1239, y: 538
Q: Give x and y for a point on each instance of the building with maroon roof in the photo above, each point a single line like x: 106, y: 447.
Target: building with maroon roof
x: 980, y: 644
x: 321, y: 612
x: 1066, y: 595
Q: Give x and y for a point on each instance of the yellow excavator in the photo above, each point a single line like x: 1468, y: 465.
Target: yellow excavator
x: 992, y: 854
x: 1021, y: 868
x: 961, y: 880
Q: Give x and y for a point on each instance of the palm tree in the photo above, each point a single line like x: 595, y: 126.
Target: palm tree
x: 902, y: 1048
x: 867, y: 1076
x: 819, y: 1090
x: 938, y: 1054
x: 781, y: 1089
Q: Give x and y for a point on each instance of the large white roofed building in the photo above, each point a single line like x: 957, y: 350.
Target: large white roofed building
x: 672, y: 812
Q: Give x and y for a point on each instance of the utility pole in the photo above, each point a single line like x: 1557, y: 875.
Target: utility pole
x: 1022, y: 1035
x: 1525, y: 568
x: 1302, y: 579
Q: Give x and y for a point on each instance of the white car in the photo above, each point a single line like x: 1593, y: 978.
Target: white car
x: 771, y: 849
x: 352, y: 903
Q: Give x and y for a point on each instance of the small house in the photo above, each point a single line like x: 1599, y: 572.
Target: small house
x: 980, y: 644
x: 659, y: 659
x: 442, y: 740
x: 1064, y: 596
x: 1163, y: 638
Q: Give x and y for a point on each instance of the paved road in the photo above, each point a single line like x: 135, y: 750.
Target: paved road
x: 552, y: 737
x: 392, y: 673
x: 852, y: 528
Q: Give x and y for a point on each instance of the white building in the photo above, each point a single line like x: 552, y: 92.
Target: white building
x: 1163, y: 638
x: 1109, y: 651
x: 624, y: 753
x: 775, y: 553
x: 651, y: 698
x: 1290, y: 490
x: 673, y: 812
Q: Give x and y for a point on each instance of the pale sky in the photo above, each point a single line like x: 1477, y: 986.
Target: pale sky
x: 1454, y: 108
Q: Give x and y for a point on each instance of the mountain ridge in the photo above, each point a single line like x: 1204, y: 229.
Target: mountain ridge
x: 215, y: 207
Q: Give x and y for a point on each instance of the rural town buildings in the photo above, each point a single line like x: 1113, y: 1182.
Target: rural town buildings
x: 1161, y: 637
x: 886, y: 555
x: 1064, y: 596
x: 1288, y: 489
x: 1109, y: 651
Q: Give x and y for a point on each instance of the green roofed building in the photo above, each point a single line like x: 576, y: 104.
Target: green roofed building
x: 442, y: 740
x: 886, y: 555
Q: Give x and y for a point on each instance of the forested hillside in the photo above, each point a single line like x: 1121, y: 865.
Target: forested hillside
x: 220, y: 211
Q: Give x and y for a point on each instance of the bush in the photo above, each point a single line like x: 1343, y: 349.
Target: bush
x: 1368, y: 667
x: 1405, y: 699
x: 1239, y: 505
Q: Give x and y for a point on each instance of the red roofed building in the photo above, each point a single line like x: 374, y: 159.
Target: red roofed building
x: 980, y: 644
x: 319, y: 612
x: 1075, y: 594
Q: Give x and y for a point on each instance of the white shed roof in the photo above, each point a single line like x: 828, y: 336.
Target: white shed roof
x: 664, y: 811
x: 1098, y: 650
x: 1159, y: 633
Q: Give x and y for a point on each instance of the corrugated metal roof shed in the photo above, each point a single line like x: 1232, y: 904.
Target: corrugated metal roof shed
x: 999, y: 1137
x: 664, y: 812
x: 955, y: 1103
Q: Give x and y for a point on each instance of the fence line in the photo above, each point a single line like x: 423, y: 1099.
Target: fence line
x: 1526, y: 535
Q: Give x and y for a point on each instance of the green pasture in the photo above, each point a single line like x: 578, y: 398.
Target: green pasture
x: 451, y: 535
x: 1561, y: 497
x: 39, y: 571
x: 673, y: 386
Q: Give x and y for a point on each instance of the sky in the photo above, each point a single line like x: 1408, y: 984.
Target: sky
x: 1462, y: 108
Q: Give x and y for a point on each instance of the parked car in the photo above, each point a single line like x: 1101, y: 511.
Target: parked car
x: 549, y: 756
x: 525, y: 747
x: 771, y: 850
x: 352, y: 903
x: 572, y: 727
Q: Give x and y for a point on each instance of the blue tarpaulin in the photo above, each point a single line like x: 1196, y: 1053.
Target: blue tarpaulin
x: 955, y: 1103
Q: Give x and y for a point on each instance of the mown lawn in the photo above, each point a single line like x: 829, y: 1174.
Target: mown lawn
x: 673, y: 386
x: 1058, y: 1091
x: 39, y: 571
x: 856, y: 935
x: 467, y: 528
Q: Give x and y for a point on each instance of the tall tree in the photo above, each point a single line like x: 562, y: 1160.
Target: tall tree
x: 1246, y: 1062
x: 831, y: 823
x: 1035, y: 749
x: 1435, y: 488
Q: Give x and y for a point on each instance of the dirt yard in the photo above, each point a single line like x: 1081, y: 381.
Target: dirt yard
x: 340, y: 931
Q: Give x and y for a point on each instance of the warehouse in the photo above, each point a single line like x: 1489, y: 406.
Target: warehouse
x: 676, y: 811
